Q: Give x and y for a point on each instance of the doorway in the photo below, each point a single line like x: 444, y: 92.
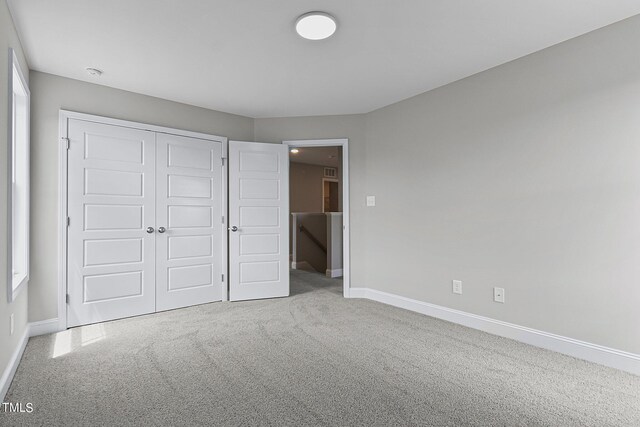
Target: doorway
x: 319, y: 201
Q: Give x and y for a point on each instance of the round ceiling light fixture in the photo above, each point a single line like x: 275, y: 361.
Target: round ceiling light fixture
x: 316, y: 25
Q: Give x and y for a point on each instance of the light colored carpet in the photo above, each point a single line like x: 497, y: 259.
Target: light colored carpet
x: 311, y: 359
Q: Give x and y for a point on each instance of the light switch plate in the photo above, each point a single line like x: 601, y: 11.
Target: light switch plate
x: 498, y: 295
x: 456, y: 287
x: 371, y: 200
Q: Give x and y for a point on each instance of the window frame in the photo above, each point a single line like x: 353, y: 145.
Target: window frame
x: 20, y: 83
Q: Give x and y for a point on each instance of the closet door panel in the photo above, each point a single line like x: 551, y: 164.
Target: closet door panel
x: 111, y: 202
x: 189, y: 218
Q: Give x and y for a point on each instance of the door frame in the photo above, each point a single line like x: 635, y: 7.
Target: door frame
x: 346, y: 244
x: 63, y: 166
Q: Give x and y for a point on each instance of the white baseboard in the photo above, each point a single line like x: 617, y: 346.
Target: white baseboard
x: 334, y: 273
x: 301, y: 265
x: 618, y: 359
x: 14, y: 361
x: 33, y: 329
x: 44, y: 327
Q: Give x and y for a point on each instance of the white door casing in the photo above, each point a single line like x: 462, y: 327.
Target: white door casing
x: 259, y: 214
x: 111, y: 202
x: 189, y: 210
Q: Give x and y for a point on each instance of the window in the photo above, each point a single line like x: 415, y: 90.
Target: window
x: 18, y: 246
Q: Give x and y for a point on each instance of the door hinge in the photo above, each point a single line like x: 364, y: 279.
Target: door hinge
x: 223, y: 219
x: 222, y: 158
x: 67, y: 143
x: 68, y: 221
x: 223, y: 277
x: 67, y: 298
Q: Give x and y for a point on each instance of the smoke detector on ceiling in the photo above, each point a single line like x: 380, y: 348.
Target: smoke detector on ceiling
x: 94, y: 72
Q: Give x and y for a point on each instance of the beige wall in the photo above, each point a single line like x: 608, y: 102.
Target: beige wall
x: 527, y: 177
x: 305, y: 190
x: 8, y: 343
x: 51, y: 93
x: 305, y: 187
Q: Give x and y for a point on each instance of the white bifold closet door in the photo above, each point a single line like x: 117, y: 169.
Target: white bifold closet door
x: 258, y: 220
x: 145, y: 230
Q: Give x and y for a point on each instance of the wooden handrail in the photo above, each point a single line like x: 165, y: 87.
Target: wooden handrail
x: 318, y: 243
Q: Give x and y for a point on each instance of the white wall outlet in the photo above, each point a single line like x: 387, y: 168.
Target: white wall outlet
x: 11, y: 324
x: 371, y: 200
x: 456, y: 286
x: 498, y: 295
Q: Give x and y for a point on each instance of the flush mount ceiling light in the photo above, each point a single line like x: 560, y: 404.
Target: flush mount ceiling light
x: 316, y: 25
x: 94, y: 72
x: 294, y: 151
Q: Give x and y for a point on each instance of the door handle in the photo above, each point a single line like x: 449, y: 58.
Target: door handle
x: 234, y: 229
x: 150, y: 230
x: 161, y: 230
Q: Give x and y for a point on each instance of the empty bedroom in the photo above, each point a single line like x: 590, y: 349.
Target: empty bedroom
x: 303, y: 212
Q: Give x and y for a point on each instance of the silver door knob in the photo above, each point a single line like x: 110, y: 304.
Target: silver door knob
x: 150, y: 230
x: 234, y: 229
x: 161, y: 230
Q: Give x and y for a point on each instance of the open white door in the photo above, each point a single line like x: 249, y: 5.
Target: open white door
x: 258, y: 220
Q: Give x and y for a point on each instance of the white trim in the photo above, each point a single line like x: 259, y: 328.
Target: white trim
x: 63, y: 165
x: 346, y: 243
x: 141, y: 126
x: 611, y: 357
x: 301, y: 265
x: 12, y: 366
x: 12, y: 292
x: 33, y: 329
x: 336, y: 272
x: 224, y: 190
x: 64, y: 118
x: 44, y: 327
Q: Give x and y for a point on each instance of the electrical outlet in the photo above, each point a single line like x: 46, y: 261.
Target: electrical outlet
x: 11, y: 324
x: 498, y: 295
x: 456, y: 286
x: 371, y: 200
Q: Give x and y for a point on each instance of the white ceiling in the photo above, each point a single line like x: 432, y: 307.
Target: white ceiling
x: 244, y: 57
x: 322, y: 156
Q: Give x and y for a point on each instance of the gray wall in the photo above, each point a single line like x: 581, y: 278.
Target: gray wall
x: 527, y: 177
x: 8, y: 343
x: 51, y: 93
